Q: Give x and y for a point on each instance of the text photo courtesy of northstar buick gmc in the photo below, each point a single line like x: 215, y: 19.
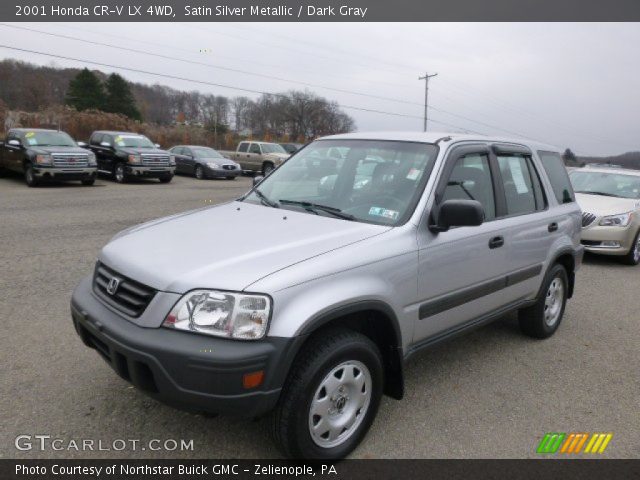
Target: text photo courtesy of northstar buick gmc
x: 314, y: 297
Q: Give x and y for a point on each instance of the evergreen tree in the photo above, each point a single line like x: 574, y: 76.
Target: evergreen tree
x: 85, y: 91
x: 119, y: 97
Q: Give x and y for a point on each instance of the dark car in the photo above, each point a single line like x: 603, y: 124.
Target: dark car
x: 291, y: 147
x: 127, y: 155
x: 46, y: 155
x: 204, y: 162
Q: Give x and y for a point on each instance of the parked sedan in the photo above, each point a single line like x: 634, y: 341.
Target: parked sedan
x: 610, y: 202
x: 204, y: 162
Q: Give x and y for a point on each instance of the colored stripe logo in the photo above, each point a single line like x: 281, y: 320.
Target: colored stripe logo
x: 574, y: 443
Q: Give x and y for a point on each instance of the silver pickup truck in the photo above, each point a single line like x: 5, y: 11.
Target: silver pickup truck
x: 258, y: 156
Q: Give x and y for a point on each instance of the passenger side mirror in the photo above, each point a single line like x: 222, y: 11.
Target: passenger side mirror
x: 14, y: 142
x: 257, y: 179
x: 458, y: 213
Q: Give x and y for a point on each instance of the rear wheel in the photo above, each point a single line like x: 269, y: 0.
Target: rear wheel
x: 119, y: 173
x: 30, y: 177
x: 542, y: 319
x: 330, y: 398
x: 633, y: 257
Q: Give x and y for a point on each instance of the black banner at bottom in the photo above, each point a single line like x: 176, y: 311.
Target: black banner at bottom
x: 346, y: 469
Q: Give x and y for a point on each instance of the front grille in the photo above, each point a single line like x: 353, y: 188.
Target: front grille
x: 587, y: 219
x: 229, y: 167
x: 70, y: 160
x: 155, y: 160
x: 130, y: 297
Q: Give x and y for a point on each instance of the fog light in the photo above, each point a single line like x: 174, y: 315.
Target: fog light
x: 610, y: 244
x: 253, y: 379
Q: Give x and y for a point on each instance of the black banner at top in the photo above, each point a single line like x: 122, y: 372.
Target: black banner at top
x: 319, y: 10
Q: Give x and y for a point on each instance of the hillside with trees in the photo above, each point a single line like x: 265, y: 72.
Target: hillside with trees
x: 26, y: 89
x: 625, y: 160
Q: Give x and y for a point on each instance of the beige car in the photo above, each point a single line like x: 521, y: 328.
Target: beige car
x: 610, y: 203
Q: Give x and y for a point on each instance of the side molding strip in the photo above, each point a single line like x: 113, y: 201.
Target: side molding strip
x: 468, y: 294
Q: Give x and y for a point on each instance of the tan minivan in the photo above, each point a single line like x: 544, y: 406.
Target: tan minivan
x: 610, y: 202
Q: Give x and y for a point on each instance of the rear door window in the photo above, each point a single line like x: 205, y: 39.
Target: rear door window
x: 558, y: 176
x: 255, y: 148
x: 522, y: 188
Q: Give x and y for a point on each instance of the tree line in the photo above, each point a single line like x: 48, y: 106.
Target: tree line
x: 297, y: 114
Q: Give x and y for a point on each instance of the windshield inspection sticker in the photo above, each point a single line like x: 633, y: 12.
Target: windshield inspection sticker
x: 383, y: 212
x: 413, y: 174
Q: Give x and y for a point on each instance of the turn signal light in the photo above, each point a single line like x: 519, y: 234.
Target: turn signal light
x: 253, y: 379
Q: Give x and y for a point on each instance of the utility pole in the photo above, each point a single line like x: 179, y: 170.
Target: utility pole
x: 426, y: 95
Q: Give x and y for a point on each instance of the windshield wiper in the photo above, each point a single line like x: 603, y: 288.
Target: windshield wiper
x: 600, y: 193
x: 265, y: 200
x: 336, y: 212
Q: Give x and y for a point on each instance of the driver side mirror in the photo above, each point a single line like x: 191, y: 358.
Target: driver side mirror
x: 105, y: 144
x: 82, y: 144
x: 458, y: 213
x: 13, y: 142
x: 157, y: 145
x: 257, y: 179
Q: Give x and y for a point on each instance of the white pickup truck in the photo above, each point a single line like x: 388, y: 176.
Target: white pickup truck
x: 258, y: 156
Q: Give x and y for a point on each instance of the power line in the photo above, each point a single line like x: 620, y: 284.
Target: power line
x: 220, y: 85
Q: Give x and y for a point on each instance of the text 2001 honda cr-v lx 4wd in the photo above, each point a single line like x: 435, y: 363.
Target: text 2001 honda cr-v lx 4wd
x: 308, y: 294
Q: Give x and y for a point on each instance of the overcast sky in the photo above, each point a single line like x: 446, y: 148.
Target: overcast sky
x: 572, y: 85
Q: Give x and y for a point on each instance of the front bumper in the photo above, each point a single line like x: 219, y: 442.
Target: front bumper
x: 65, y: 173
x: 188, y: 371
x: 221, y: 173
x: 149, y: 172
x: 592, y: 238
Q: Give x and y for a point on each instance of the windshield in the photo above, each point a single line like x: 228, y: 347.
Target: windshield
x: 272, y: 148
x: 605, y: 183
x: 363, y: 180
x: 202, y: 152
x: 48, y: 139
x: 136, y: 141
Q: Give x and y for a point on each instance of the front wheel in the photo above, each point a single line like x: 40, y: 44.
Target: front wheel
x: 267, y: 168
x: 119, y: 173
x: 633, y: 257
x: 166, y: 178
x: 199, y: 173
x: 30, y: 177
x: 87, y: 182
x: 330, y: 398
x: 542, y: 319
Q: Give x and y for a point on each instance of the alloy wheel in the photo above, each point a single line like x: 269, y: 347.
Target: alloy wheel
x: 553, y: 302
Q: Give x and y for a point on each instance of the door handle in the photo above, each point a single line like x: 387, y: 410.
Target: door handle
x: 496, y: 242
x: 553, y: 227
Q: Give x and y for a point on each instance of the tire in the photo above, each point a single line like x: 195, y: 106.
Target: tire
x: 119, y: 173
x: 199, y: 172
x: 30, y: 178
x: 231, y: 178
x: 357, y: 358
x: 88, y: 182
x: 542, y: 319
x: 633, y: 257
x: 165, y: 178
x: 267, y: 168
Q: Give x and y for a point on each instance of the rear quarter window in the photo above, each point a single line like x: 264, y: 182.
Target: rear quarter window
x: 558, y: 176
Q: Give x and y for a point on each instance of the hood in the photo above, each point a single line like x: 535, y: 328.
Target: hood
x: 133, y: 150
x: 601, y: 205
x: 59, y: 149
x: 227, y: 247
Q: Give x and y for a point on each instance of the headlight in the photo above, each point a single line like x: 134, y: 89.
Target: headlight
x: 134, y: 159
x: 222, y: 314
x: 92, y: 160
x: 621, y: 220
x: 215, y: 166
x: 43, y: 159
x: 172, y: 160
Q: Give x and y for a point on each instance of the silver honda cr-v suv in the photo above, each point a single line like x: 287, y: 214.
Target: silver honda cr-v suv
x: 307, y: 295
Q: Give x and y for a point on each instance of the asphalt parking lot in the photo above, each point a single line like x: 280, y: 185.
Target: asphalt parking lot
x: 491, y: 394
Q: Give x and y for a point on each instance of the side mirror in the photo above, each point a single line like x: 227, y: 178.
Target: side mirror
x: 257, y: 179
x: 105, y: 144
x: 458, y: 213
x: 14, y: 142
x: 157, y: 145
x: 82, y: 145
